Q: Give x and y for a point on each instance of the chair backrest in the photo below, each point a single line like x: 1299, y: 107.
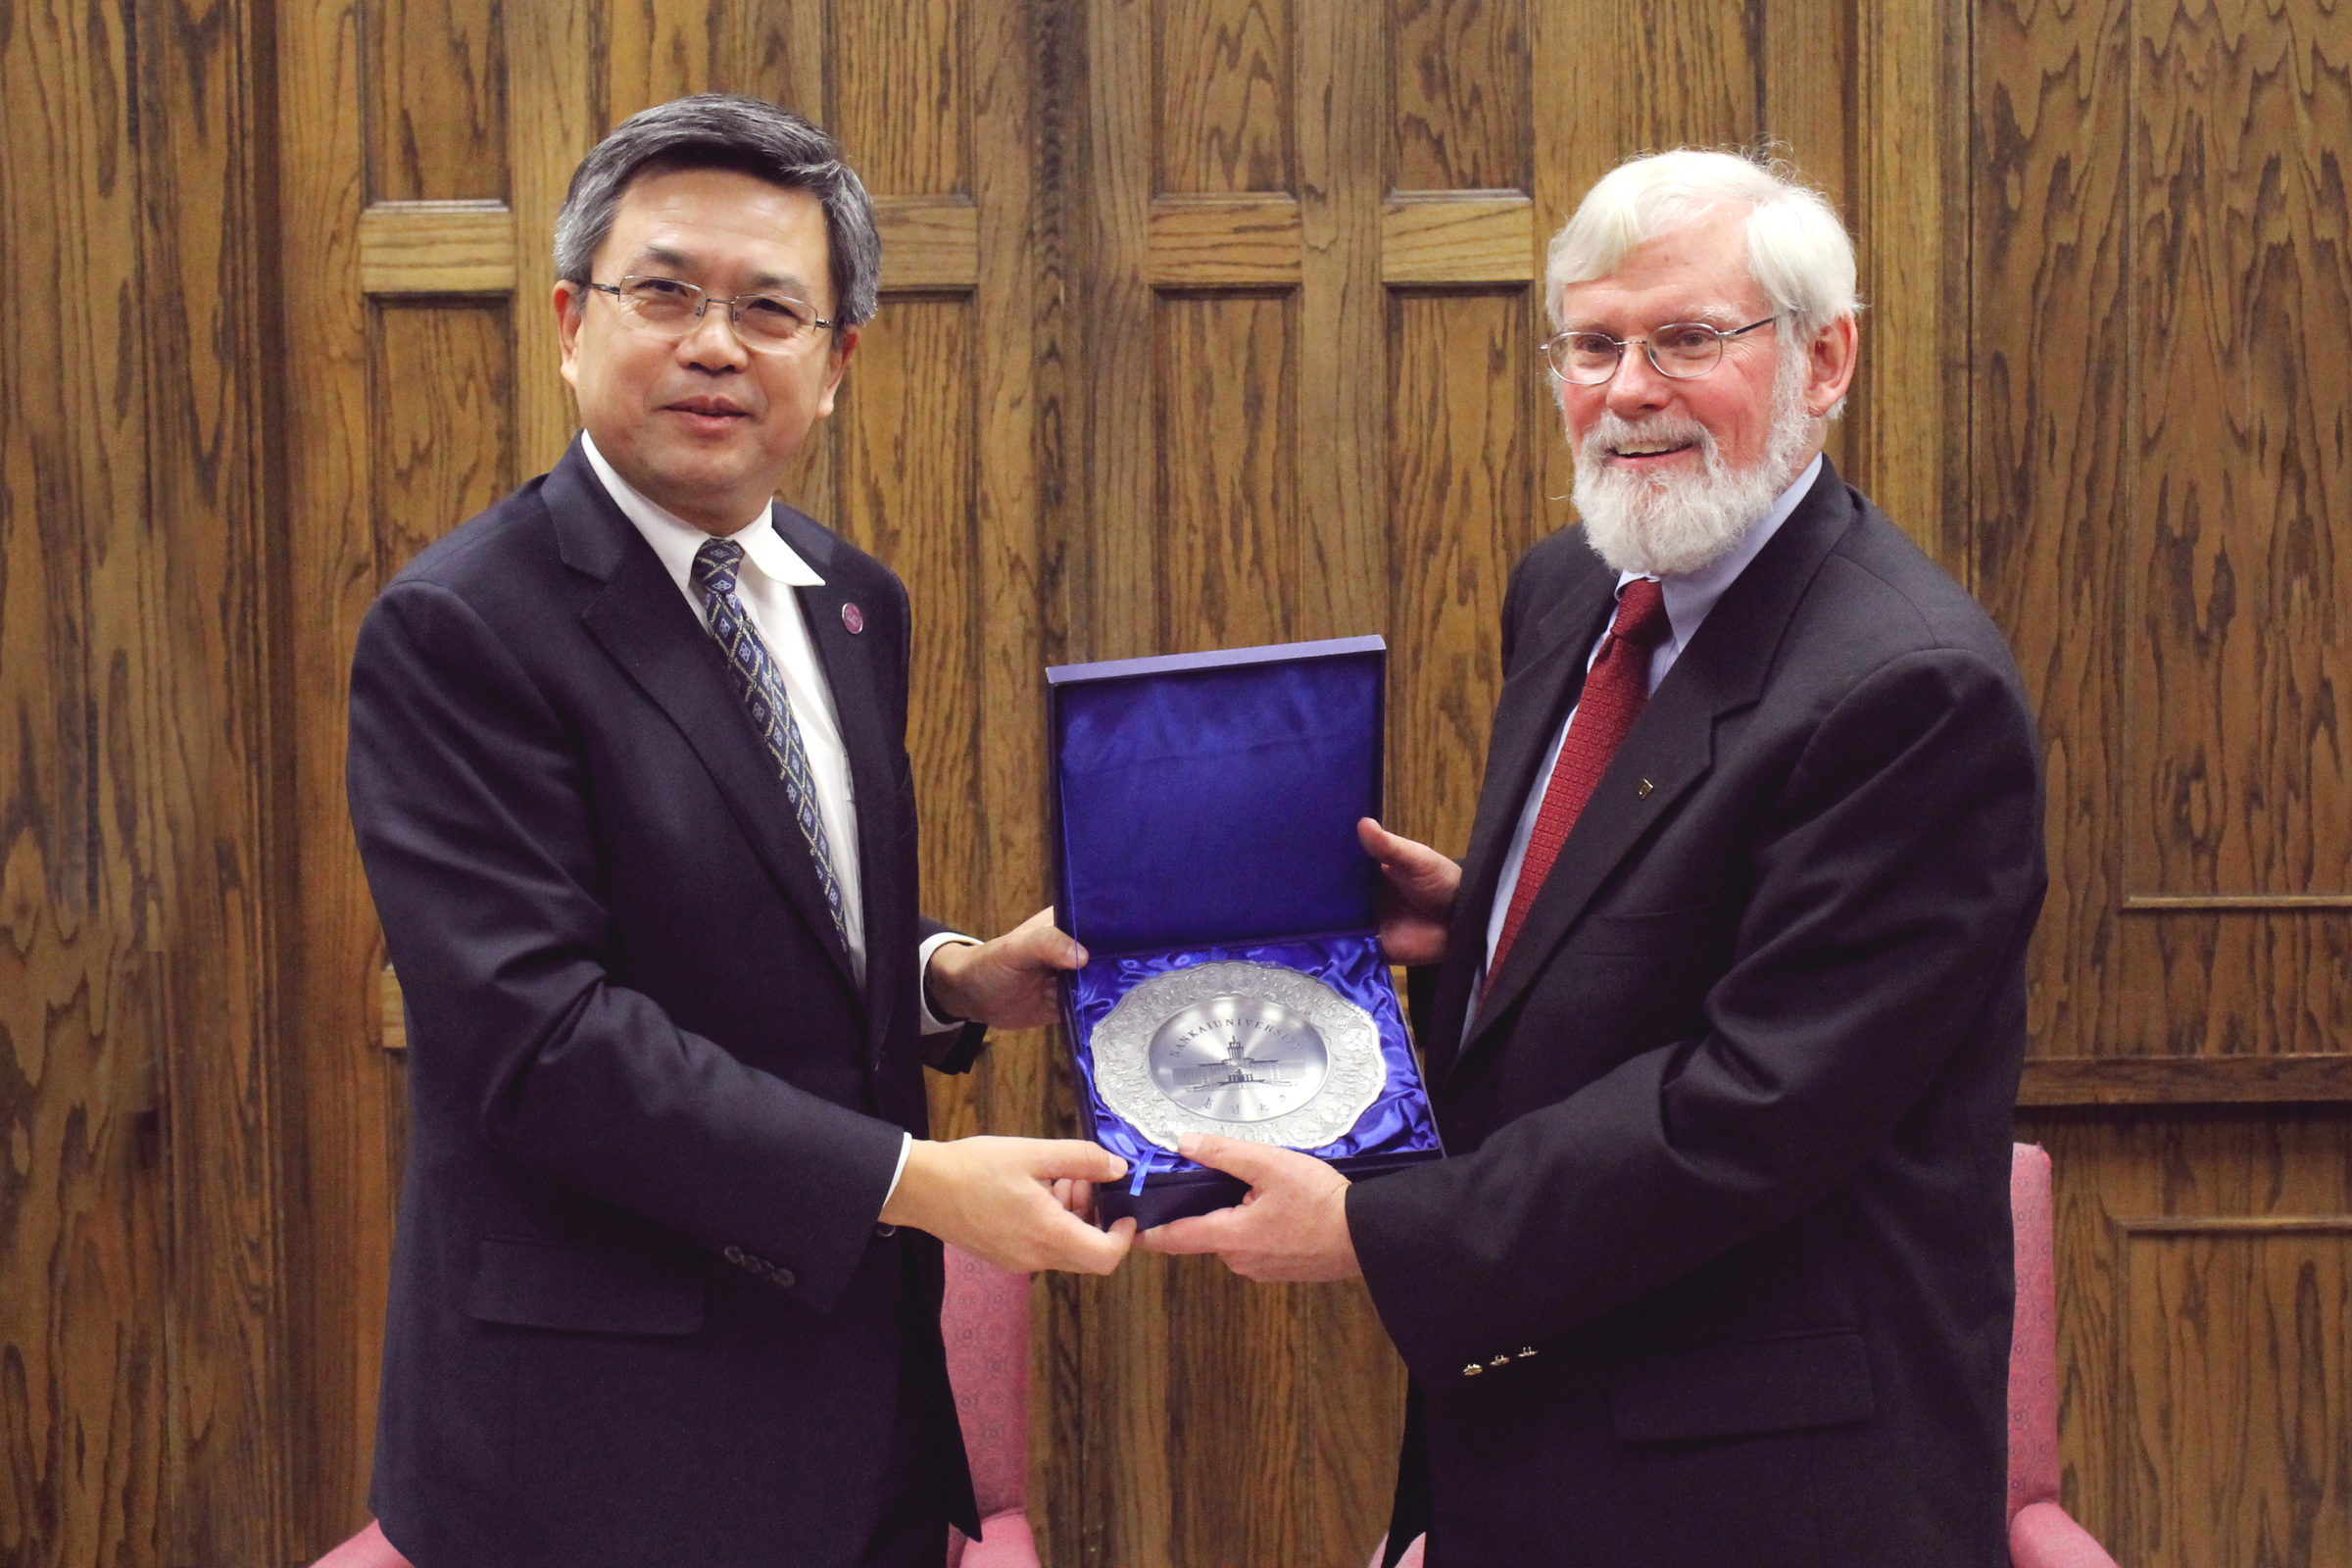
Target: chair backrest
x: 985, y: 1320
x: 2034, y: 1342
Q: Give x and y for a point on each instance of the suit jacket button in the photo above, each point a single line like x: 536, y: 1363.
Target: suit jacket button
x: 733, y: 1254
x: 884, y: 1229
x: 1501, y: 1361
x: 783, y: 1277
x: 1472, y: 1370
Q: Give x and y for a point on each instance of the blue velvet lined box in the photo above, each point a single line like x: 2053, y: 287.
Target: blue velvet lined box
x: 1206, y: 811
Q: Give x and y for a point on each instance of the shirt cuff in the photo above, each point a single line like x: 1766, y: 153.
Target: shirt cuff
x: 933, y: 1023
x: 906, y: 1148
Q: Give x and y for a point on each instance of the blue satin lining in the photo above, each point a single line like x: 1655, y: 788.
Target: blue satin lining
x: 1349, y: 962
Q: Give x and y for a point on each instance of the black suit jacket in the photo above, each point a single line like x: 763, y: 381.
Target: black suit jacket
x: 1719, y: 1270
x: 641, y: 1311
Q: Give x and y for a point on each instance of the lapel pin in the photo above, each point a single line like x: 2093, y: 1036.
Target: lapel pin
x: 1642, y: 793
x: 854, y: 618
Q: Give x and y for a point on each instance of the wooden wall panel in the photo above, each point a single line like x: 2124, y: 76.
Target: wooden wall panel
x: 1462, y: 95
x: 1225, y: 526
x: 2203, y: 1260
x: 904, y: 426
x: 903, y: 109
x: 436, y: 87
x: 1224, y: 94
x: 2049, y: 241
x: 1463, y: 433
x: 444, y: 404
x: 85, y: 1371
x: 2237, y: 1416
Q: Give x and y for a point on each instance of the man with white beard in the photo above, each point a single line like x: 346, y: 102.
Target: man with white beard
x: 1723, y: 1010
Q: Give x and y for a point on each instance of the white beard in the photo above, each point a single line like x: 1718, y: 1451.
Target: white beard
x: 1660, y: 526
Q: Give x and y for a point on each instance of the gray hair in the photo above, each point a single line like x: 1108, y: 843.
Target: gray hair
x: 720, y: 130
x: 1797, y: 251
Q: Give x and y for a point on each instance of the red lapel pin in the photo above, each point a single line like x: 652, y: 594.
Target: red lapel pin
x: 854, y: 618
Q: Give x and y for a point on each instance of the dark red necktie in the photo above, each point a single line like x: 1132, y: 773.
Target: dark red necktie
x: 1615, y: 688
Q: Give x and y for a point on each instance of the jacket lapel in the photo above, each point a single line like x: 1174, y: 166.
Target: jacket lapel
x: 852, y: 662
x: 645, y: 624
x: 1671, y: 745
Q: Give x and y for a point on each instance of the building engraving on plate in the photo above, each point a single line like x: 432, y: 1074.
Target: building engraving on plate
x: 1251, y: 1051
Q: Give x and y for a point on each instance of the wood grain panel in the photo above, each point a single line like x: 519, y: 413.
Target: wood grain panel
x: 1339, y: 416
x: 2149, y: 1437
x: 559, y: 117
x: 444, y: 403
x: 1222, y: 115
x: 1458, y: 237
x: 436, y: 96
x: 656, y: 50
x: 207, y: 753
x: 2186, y: 1080
x: 85, y: 1241
x: 1905, y: 440
x: 2049, y: 345
x: 906, y: 462
x: 1461, y: 468
x: 2243, y: 303
x: 2237, y: 1417
x: 1224, y: 241
x: 437, y: 248
x: 928, y: 242
x: 905, y: 123
x: 1225, y: 523
x: 338, y: 1135
x: 1462, y: 95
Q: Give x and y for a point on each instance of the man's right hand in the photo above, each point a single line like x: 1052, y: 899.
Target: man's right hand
x: 1417, y: 890
x: 995, y: 1199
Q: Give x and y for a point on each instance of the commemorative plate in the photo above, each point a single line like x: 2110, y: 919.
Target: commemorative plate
x: 1251, y: 1051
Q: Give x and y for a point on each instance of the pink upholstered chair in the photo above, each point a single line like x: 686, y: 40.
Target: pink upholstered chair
x: 986, y: 1321
x: 2041, y: 1535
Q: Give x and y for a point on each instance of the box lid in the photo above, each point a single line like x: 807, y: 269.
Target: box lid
x: 1208, y: 798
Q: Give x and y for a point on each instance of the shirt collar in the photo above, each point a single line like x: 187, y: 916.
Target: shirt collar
x: 1689, y: 595
x: 675, y: 540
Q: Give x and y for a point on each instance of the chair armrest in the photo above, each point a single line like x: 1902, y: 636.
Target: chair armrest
x: 2043, y: 1536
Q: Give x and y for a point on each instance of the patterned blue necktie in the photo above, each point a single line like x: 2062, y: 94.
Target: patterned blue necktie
x: 762, y: 687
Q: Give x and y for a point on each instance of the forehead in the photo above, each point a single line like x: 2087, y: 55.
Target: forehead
x: 720, y: 220
x: 1695, y: 274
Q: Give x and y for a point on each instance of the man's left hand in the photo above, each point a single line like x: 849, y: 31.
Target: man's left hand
x: 1010, y: 983
x: 1291, y: 1228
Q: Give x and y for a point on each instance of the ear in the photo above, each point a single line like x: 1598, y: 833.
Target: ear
x: 571, y: 301
x: 1834, y: 352
x: 837, y: 361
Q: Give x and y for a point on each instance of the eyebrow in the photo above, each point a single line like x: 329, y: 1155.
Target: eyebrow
x: 670, y: 255
x: 1715, y: 315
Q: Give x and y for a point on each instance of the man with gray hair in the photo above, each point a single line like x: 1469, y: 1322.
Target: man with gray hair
x: 629, y: 775
x: 1723, y: 1008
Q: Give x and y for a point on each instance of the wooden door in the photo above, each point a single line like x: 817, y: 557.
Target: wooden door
x: 2162, y: 295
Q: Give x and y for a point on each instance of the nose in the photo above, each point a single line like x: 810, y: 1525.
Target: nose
x: 712, y: 343
x: 1637, y: 388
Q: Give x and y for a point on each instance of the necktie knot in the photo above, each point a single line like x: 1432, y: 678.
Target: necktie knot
x: 1641, y: 618
x: 717, y: 562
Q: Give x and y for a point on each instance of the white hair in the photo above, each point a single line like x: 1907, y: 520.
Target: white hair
x: 1797, y: 251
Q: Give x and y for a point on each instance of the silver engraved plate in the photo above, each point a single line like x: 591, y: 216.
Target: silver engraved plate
x: 1248, y: 1051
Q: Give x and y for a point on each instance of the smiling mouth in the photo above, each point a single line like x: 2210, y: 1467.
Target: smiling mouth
x: 1654, y: 450
x: 707, y: 409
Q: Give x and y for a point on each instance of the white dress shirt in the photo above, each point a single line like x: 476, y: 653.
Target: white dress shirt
x: 771, y: 570
x: 1688, y: 596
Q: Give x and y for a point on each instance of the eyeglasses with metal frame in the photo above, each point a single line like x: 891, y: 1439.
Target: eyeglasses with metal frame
x: 665, y: 307
x: 1680, y: 351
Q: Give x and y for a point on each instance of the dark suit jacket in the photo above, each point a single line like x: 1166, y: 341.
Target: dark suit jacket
x: 1719, y: 1270
x: 641, y: 1312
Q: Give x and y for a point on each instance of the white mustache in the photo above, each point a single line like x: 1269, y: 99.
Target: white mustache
x: 1662, y: 430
